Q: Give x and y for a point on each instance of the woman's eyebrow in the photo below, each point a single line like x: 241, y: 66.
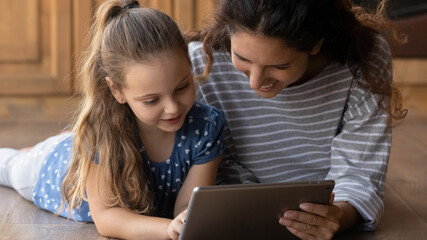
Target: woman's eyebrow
x: 273, y: 65
x: 242, y: 58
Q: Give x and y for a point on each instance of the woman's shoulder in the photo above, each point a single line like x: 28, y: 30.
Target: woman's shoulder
x: 198, y: 56
x: 196, y: 53
x: 194, y: 47
x: 380, y: 56
x: 380, y: 61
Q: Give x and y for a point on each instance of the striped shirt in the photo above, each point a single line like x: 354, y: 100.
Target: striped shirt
x: 326, y: 128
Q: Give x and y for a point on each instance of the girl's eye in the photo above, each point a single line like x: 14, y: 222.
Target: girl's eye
x: 183, y: 87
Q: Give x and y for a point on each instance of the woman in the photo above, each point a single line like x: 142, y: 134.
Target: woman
x: 140, y: 143
x: 306, y: 88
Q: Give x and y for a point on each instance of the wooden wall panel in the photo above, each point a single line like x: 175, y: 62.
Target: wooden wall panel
x: 189, y: 14
x: 41, y: 40
x: 184, y: 14
x: 204, y: 12
x: 35, y: 47
x: 410, y: 71
x: 165, y: 6
x: 20, y: 39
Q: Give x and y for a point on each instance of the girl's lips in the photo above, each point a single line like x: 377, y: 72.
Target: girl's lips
x: 172, y: 121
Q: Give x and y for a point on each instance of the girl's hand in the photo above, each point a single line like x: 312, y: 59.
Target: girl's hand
x: 174, y: 228
x: 316, y: 221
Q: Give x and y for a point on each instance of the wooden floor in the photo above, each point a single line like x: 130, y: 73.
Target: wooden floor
x: 25, y: 121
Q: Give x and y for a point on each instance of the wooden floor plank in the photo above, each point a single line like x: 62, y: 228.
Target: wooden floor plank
x: 49, y: 231
x: 397, y: 223
x: 7, y: 203
x: 407, y: 173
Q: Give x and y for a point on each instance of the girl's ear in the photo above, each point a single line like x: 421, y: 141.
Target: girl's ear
x: 117, y: 93
x: 317, y: 47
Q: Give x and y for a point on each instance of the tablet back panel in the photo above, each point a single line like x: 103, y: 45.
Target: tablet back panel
x: 250, y: 211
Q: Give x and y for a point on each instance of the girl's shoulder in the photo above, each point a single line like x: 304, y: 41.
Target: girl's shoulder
x: 205, y: 112
x: 201, y: 135
x: 202, y: 122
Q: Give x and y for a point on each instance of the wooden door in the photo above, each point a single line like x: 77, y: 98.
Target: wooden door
x: 35, y: 47
x: 189, y: 14
x: 41, y: 40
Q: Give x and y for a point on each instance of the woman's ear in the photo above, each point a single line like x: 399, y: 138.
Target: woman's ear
x: 117, y: 93
x: 317, y: 47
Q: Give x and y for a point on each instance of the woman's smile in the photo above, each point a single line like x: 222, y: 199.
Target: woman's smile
x: 267, y: 87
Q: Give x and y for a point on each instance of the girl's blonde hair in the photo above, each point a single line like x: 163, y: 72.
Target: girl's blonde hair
x: 105, y: 130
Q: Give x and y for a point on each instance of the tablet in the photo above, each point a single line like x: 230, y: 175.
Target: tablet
x: 248, y: 211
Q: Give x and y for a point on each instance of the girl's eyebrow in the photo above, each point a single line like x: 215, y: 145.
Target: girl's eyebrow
x: 154, y: 94
x: 186, y: 77
x: 247, y: 60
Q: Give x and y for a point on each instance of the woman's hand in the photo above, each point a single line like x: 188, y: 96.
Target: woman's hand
x: 316, y: 221
x: 175, y: 226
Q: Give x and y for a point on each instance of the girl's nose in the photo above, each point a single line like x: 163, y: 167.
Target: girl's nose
x: 171, y: 106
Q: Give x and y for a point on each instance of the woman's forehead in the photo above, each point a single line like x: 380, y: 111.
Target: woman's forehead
x: 255, y: 46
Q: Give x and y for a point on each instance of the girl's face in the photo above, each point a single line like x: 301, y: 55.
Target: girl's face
x: 160, y: 92
x: 268, y: 62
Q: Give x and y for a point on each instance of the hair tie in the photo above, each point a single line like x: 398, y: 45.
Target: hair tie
x: 133, y: 4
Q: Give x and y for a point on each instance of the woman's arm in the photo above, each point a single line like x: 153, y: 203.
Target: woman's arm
x: 118, y: 222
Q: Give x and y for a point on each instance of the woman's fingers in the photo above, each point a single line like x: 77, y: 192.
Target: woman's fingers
x: 316, y: 221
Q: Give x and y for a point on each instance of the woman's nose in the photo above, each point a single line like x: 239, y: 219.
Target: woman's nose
x: 255, y: 77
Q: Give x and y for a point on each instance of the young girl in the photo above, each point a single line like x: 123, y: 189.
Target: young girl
x: 140, y: 144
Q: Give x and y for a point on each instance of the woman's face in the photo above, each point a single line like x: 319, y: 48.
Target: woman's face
x: 268, y: 62
x: 161, y: 91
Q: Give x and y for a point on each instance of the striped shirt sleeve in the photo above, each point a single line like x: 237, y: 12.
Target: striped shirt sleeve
x: 360, y: 152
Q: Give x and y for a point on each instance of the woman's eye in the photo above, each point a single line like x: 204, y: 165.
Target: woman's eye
x: 241, y: 59
x: 151, y: 101
x: 280, y: 67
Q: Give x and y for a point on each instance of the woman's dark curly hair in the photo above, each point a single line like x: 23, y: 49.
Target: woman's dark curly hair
x: 349, y: 34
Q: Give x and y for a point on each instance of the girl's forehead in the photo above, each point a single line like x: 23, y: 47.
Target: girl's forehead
x: 158, y: 72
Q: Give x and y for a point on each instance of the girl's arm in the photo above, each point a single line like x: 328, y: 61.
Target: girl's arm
x: 118, y: 222
x: 198, y: 175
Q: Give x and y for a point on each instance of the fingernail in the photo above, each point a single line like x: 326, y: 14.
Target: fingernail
x: 303, y: 206
x: 288, y: 215
x: 284, y: 221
